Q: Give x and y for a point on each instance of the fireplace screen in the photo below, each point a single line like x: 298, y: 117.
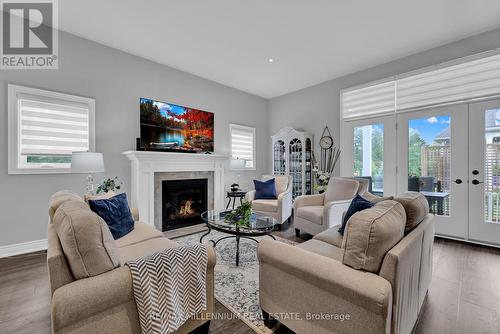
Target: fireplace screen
x: 183, y: 202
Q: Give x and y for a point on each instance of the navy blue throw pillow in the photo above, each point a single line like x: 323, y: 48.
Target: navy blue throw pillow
x: 116, y: 213
x: 265, y: 189
x: 358, y: 204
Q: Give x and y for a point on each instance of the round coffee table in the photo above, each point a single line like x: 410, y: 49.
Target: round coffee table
x: 259, y: 225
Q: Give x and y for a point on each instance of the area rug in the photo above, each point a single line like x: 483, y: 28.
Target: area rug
x: 237, y: 288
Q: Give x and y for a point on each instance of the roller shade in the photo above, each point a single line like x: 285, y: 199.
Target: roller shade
x: 242, y: 144
x: 375, y: 99
x: 52, y: 128
x: 472, y: 79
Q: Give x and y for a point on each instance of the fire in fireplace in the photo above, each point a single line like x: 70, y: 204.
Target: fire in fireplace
x: 183, y: 202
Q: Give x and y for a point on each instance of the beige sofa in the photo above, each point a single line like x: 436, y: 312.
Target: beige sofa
x: 104, y: 303
x: 377, y: 274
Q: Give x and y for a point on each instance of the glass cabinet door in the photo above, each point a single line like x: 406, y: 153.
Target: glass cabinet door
x: 308, y: 167
x: 279, y: 165
x: 295, y: 167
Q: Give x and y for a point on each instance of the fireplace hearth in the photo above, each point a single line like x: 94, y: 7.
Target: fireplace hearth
x: 183, y: 202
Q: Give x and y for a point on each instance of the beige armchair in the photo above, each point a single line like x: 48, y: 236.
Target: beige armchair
x: 316, y: 213
x: 281, y: 208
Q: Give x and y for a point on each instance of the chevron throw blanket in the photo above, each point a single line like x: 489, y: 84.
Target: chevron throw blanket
x: 169, y: 287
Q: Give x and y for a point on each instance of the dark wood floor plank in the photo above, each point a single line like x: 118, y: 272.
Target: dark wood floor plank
x: 476, y: 319
x: 440, y: 312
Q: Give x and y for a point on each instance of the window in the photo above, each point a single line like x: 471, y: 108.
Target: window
x: 45, y: 128
x: 368, y: 155
x: 242, y: 146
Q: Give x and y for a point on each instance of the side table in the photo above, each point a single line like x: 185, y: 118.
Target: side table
x: 233, y: 195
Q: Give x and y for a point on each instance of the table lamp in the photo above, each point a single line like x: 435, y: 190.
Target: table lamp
x: 237, y: 163
x: 87, y: 163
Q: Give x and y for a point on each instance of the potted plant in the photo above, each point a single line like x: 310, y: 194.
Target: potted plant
x: 240, y: 216
x: 109, y: 184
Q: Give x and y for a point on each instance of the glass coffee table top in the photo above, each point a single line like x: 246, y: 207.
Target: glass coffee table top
x: 258, y: 225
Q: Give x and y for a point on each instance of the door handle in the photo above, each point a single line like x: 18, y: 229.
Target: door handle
x: 458, y: 181
x: 475, y: 182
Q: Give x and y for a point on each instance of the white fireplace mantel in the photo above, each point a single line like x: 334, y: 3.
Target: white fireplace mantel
x: 145, y: 164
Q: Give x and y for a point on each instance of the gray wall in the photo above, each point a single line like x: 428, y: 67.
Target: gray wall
x: 116, y: 80
x: 311, y: 108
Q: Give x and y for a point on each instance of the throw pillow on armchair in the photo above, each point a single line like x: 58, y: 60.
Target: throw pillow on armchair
x: 265, y: 189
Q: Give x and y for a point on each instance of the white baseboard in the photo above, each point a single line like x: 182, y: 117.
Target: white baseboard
x: 23, y: 248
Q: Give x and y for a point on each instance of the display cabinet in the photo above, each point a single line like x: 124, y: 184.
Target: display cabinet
x: 292, y: 155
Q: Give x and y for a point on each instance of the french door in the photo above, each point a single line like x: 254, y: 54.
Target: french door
x: 484, y: 172
x: 450, y: 154
x: 432, y: 159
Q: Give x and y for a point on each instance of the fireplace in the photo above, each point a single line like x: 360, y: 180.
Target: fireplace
x: 183, y: 202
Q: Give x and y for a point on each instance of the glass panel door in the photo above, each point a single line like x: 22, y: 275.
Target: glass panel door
x: 484, y: 172
x: 429, y: 158
x: 369, y: 152
x: 432, y: 160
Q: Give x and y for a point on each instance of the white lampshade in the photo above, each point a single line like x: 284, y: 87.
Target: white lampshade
x: 87, y: 162
x: 238, y: 163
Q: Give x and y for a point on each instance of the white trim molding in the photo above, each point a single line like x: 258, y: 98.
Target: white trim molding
x: 146, y: 163
x: 23, y: 248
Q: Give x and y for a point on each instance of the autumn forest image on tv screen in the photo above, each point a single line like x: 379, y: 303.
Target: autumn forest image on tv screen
x: 166, y: 126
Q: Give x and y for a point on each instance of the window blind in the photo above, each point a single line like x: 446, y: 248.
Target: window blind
x: 461, y: 82
x: 375, y: 99
x: 468, y: 80
x: 52, y: 128
x: 242, y: 144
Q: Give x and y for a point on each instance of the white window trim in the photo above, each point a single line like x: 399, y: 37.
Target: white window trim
x: 13, y: 121
x: 246, y: 128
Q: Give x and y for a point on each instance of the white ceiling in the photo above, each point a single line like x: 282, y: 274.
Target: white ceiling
x: 230, y: 41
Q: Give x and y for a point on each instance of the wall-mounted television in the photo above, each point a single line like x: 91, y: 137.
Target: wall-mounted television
x: 170, y: 127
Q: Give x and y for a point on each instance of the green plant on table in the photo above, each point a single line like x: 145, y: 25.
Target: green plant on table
x: 109, y: 184
x: 241, y: 215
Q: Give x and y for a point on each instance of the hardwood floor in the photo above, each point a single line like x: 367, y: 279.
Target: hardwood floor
x: 464, y: 296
